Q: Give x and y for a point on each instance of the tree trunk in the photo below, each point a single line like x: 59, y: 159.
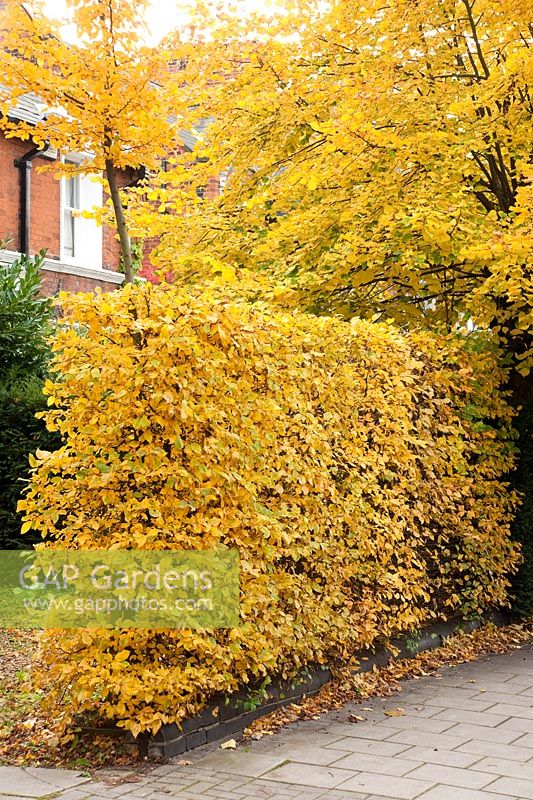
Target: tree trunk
x: 122, y: 229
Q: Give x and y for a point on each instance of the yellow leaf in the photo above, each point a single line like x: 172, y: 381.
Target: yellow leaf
x: 395, y: 712
x: 122, y: 656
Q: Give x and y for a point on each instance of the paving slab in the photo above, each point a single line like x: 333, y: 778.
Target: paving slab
x: 387, y: 785
x: 321, y: 756
x: 516, y: 787
x: 512, y: 752
x: 380, y: 765
x: 447, y: 758
x: 500, y: 766
x: 354, y: 745
x: 309, y: 775
x: 249, y: 764
x: 451, y: 793
x: 37, y: 782
x: 484, y: 718
x: 453, y: 776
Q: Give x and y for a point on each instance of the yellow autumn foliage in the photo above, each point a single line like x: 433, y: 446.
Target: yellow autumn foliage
x: 357, y: 470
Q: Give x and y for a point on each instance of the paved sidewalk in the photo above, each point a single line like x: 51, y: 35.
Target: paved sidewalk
x: 467, y: 735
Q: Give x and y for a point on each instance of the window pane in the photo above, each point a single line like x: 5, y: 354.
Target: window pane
x: 72, y: 191
x: 68, y: 233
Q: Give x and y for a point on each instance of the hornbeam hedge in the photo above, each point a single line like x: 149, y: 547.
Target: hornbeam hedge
x: 357, y: 470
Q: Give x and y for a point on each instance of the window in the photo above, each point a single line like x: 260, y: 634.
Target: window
x: 81, y: 238
x: 70, y: 206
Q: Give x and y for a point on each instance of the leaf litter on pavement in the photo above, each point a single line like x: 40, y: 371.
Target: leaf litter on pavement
x: 348, y: 685
x: 28, y: 737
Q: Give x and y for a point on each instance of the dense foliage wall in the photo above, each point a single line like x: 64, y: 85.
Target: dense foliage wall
x: 357, y: 470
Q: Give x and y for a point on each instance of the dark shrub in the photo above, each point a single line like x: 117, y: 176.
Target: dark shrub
x: 26, y: 321
x: 20, y: 434
x: 523, y: 524
x: 25, y: 318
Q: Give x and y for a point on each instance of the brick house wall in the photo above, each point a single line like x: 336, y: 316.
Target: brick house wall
x: 44, y: 222
x: 45, y: 213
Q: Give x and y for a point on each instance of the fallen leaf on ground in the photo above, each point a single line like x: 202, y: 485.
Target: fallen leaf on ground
x: 395, y: 712
x: 231, y: 744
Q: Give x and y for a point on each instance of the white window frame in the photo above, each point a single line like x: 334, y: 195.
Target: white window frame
x: 72, y: 259
x: 82, y: 259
